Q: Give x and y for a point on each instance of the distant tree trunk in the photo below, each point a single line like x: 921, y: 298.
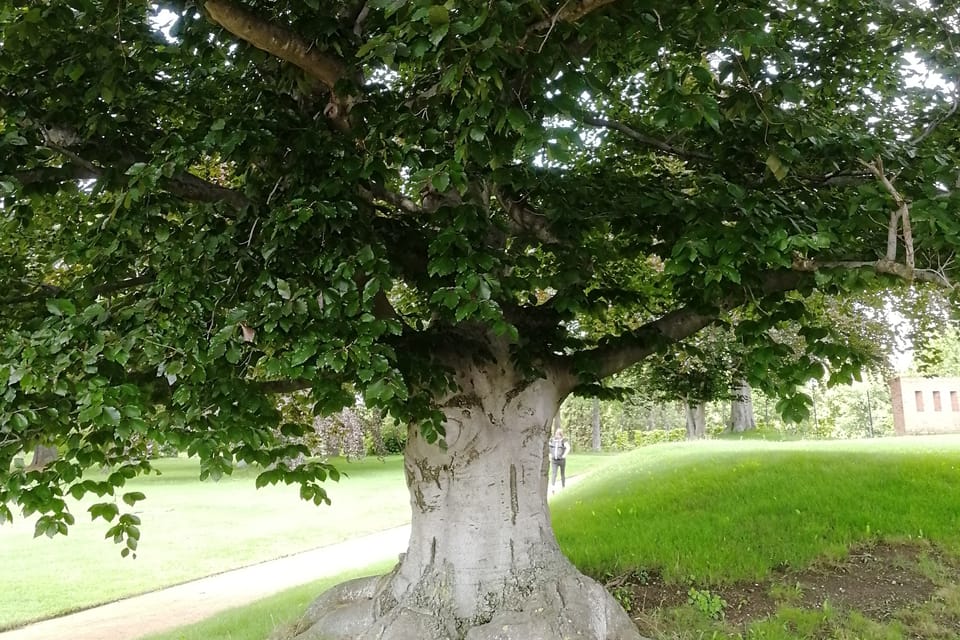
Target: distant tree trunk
x: 741, y: 409
x: 375, y: 427
x: 696, y: 419
x: 596, y: 424
x: 351, y: 433
x: 42, y: 456
x: 328, y: 431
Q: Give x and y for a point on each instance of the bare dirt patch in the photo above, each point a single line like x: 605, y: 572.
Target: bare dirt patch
x: 877, y: 581
x: 880, y: 581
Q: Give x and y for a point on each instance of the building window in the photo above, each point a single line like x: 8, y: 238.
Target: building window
x: 919, y: 396
x: 954, y: 401
x: 936, y: 401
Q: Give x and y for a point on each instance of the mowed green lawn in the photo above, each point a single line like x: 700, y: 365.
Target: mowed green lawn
x: 192, y: 529
x: 722, y: 511
x: 189, y: 529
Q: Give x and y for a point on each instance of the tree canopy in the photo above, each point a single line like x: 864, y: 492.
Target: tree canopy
x: 207, y: 203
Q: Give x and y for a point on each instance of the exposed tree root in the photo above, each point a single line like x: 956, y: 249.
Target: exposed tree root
x: 572, y: 606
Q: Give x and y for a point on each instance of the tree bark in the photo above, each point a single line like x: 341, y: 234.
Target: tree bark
x: 42, y: 456
x: 741, y: 409
x: 696, y: 419
x: 482, y: 562
x: 596, y: 425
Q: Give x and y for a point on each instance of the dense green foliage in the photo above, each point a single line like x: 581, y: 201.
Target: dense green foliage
x: 189, y: 223
x: 940, y: 355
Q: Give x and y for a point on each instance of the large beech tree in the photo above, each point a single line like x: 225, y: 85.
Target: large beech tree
x: 463, y: 211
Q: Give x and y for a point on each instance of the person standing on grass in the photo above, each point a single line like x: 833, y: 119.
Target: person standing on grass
x: 559, y: 448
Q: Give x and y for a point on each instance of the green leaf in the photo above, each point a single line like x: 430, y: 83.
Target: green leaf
x: 283, y: 288
x: 518, y: 118
x: 441, y: 181
x: 438, y: 15
x: 111, y: 415
x: 135, y: 169
x: 75, y: 71
x: 106, y: 510
x: 790, y: 92
x: 438, y: 33
x: 133, y: 497
x: 303, y: 353
x: 777, y: 168
x: 61, y: 307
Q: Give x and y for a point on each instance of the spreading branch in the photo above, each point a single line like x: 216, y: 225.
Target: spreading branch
x: 48, y: 291
x: 282, y: 43
x: 570, y: 11
x: 182, y: 184
x: 645, y: 140
x: 378, y: 193
x: 56, y: 175
x: 628, y: 349
x: 899, y: 217
x: 525, y: 220
x: 882, y: 267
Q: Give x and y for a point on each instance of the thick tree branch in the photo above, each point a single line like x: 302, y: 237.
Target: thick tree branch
x: 628, y: 349
x: 190, y: 187
x: 882, y: 266
x: 378, y: 192
x: 55, y: 175
x: 645, y: 140
x: 900, y: 216
x: 282, y: 386
x: 839, y: 179
x: 571, y: 11
x: 182, y: 184
x: 279, y: 41
x: 524, y: 220
x: 47, y: 291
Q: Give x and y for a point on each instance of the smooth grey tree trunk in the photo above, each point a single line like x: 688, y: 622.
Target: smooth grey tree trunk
x: 42, y: 456
x: 741, y: 409
x: 696, y: 419
x: 595, y: 441
x: 482, y: 562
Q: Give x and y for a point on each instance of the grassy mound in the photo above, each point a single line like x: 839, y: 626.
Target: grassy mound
x: 727, y: 511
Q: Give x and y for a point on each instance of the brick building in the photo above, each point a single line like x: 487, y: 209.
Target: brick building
x: 925, y: 405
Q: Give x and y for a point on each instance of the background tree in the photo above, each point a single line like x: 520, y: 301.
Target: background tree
x: 940, y: 355
x: 741, y: 408
x: 696, y: 371
x: 463, y: 212
x: 933, y: 332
